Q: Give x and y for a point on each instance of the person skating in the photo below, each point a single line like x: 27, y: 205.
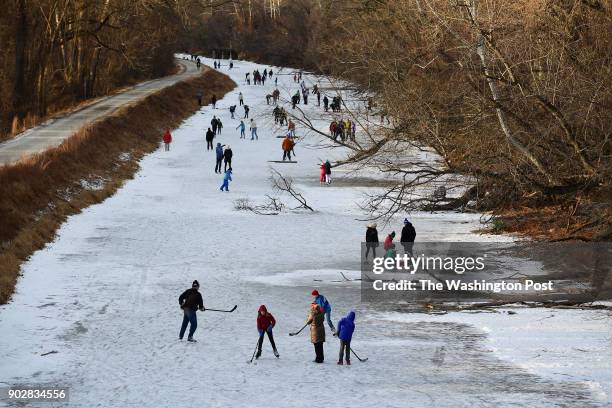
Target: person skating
x: 219, y: 155
x: 291, y: 128
x: 328, y: 167
x: 190, y: 301
x: 226, y: 179
x: 167, y: 139
x: 346, y: 327
x: 371, y: 240
x: 325, y: 307
x: 287, y: 146
x: 242, y: 128
x: 265, y: 324
x: 209, y: 139
x: 232, y: 110
x: 322, y: 174
x: 408, y: 236
x: 219, y: 126
x: 317, y: 331
x: 389, y: 241
x: 325, y: 103
x: 240, y: 98
x: 214, y: 123
x: 246, y: 111
x: 253, y: 128
x: 227, y: 158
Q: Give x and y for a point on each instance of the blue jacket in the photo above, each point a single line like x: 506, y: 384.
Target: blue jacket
x: 219, y: 151
x: 228, y: 175
x: 241, y: 126
x: 346, y: 327
x: 322, y: 301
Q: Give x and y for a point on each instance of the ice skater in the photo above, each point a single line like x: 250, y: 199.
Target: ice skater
x: 190, y: 301
x: 226, y: 179
x: 265, y: 324
x: 346, y: 327
x: 167, y: 139
x: 242, y: 128
x: 325, y: 307
x: 317, y: 331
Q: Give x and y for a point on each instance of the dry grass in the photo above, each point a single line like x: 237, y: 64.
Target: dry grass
x: 40, y: 192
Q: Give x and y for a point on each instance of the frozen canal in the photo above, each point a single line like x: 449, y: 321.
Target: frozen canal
x: 103, y: 297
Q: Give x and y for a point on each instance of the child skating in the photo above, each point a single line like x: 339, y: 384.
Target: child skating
x: 346, y: 327
x: 226, y: 179
x: 265, y: 324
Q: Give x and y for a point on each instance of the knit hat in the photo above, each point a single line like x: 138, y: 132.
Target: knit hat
x: 315, y: 293
x: 195, y: 284
x: 406, y: 221
x: 373, y: 225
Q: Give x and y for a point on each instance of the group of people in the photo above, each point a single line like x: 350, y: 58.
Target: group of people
x: 319, y: 312
x: 406, y: 240
x: 258, y: 77
x: 343, y: 129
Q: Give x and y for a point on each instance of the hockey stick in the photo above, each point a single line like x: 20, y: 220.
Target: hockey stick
x: 254, y: 351
x: 363, y: 360
x: 299, y: 331
x: 224, y: 311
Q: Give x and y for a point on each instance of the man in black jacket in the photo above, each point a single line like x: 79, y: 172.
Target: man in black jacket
x: 408, y: 236
x: 190, y: 301
x: 371, y: 240
x: 227, y: 158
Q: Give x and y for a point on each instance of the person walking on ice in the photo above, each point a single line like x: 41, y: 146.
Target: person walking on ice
x: 325, y: 307
x: 242, y: 127
x: 190, y: 301
x: 371, y: 240
x: 254, y: 130
x: 209, y: 139
x: 265, y: 324
x: 328, y: 167
x: 322, y: 174
x: 226, y: 179
x: 287, y: 148
x: 317, y: 331
x: 167, y: 139
x: 408, y: 236
x: 219, y: 126
x: 240, y: 98
x: 227, y: 159
x: 246, y: 111
x: 346, y: 327
x: 219, y: 155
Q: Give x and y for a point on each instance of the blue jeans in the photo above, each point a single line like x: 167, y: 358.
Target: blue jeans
x: 189, y: 316
x: 254, y: 134
x: 225, y: 185
x: 329, y: 322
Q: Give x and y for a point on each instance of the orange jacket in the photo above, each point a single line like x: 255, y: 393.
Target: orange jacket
x: 287, y: 144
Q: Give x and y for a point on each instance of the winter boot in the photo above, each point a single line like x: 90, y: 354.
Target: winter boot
x: 341, y: 363
x: 348, y: 362
x: 258, y: 354
x: 276, y: 353
x: 191, y: 339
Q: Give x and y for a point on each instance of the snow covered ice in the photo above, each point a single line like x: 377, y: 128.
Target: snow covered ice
x: 103, y: 295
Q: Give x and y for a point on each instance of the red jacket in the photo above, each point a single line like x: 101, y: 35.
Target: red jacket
x: 167, y: 137
x: 388, y: 242
x: 264, y: 320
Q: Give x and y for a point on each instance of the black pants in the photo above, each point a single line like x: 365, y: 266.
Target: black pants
x: 261, y: 338
x: 209, y: 145
x: 214, y: 129
x: 286, y: 154
x: 218, y: 166
x: 345, y: 348
x: 368, y: 247
x: 408, y: 247
x: 228, y: 162
x: 318, y: 352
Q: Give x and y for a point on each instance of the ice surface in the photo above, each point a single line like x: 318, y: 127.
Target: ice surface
x: 104, y: 296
